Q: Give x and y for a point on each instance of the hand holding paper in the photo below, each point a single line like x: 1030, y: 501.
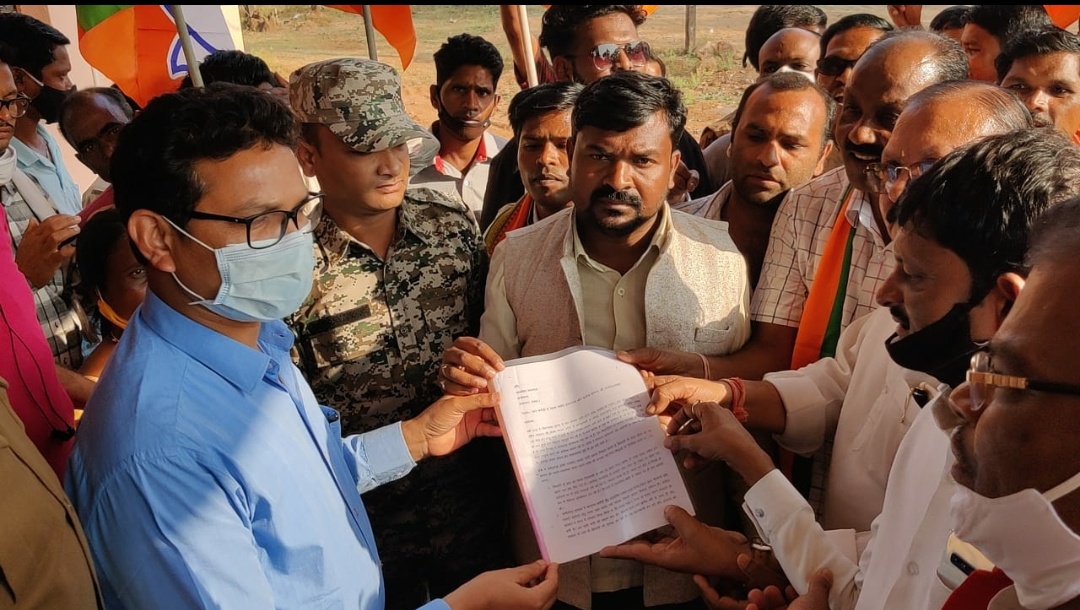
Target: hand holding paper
x: 449, y: 423
x: 590, y: 462
x: 710, y: 432
x: 467, y: 367
x: 696, y: 548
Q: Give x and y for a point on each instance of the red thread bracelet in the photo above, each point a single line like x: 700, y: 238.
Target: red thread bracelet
x: 738, y: 398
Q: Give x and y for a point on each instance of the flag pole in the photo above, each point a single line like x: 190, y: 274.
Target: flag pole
x: 369, y: 33
x: 185, y: 43
x: 526, y: 39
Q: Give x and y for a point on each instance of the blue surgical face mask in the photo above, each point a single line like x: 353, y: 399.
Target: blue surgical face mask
x: 259, y: 285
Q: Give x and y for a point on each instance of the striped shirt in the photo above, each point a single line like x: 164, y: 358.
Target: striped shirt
x: 59, y: 321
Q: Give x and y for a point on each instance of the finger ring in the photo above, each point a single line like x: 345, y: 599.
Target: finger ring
x: 693, y: 411
x: 442, y: 385
x: 443, y: 368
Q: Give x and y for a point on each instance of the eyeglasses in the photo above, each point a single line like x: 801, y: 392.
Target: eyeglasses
x: 982, y: 381
x: 604, y: 56
x: 16, y: 106
x: 892, y: 179
x: 834, y: 66
x: 268, y: 228
x: 93, y: 145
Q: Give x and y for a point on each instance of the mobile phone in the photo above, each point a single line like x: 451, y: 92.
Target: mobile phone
x: 959, y: 560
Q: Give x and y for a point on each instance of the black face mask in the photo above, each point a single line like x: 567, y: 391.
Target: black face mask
x: 942, y: 349
x: 466, y: 130
x: 48, y: 103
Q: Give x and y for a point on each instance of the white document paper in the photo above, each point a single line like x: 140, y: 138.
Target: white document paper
x: 591, y: 464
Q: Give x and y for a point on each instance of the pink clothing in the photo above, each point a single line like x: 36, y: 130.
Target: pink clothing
x: 103, y: 201
x: 26, y: 362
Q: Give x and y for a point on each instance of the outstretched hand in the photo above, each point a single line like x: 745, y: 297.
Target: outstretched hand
x: 709, y: 432
x: 816, y: 597
x: 695, y: 549
x: 529, y: 587
x: 663, y: 361
x: 449, y: 423
x: 905, y: 15
x: 468, y: 366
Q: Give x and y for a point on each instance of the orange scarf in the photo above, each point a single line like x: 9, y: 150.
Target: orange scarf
x: 819, y: 327
x: 518, y: 217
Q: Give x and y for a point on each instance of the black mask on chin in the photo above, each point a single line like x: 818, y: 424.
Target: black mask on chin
x: 467, y: 130
x: 942, y: 349
x: 48, y: 103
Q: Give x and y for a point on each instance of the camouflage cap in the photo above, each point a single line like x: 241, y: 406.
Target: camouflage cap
x: 360, y: 101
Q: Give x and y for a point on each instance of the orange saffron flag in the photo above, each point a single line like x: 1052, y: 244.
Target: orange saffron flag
x: 394, y: 22
x: 137, y: 47
x: 1063, y: 15
x: 819, y: 327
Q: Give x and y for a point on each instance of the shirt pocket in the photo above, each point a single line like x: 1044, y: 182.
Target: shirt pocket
x: 715, y: 337
x: 443, y: 309
x: 342, y: 337
x: 887, y: 420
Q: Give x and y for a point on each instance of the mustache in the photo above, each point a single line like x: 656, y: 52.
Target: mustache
x: 864, y: 149
x: 561, y: 176
x: 900, y: 316
x: 610, y: 194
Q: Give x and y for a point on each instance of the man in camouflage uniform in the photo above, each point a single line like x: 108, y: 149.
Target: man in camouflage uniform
x: 401, y: 276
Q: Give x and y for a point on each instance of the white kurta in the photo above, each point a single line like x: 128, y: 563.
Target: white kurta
x: 907, y: 539
x: 861, y: 400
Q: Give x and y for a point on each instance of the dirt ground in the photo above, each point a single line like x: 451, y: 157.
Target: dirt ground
x: 711, y: 77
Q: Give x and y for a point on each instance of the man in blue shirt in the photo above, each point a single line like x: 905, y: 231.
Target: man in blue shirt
x: 205, y: 472
x: 41, y: 66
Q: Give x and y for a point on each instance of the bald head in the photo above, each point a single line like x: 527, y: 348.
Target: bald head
x: 893, y: 69
x: 790, y: 50
x: 944, y: 117
x: 923, y: 54
x: 90, y: 120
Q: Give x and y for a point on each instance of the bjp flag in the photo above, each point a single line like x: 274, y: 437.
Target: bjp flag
x: 1063, y: 15
x: 137, y: 46
x: 394, y: 22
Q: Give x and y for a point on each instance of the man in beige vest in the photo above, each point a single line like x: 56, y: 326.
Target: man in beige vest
x: 619, y: 269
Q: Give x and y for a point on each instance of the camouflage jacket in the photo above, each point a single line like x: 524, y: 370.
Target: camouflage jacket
x: 370, y: 339
x: 371, y: 334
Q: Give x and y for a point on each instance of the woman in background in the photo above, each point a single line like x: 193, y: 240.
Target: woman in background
x: 112, y: 283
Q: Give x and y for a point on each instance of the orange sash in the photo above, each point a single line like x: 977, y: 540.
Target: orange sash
x: 518, y: 217
x: 819, y: 325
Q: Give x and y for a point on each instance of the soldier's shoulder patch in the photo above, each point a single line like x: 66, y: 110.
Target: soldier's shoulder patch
x: 423, y: 194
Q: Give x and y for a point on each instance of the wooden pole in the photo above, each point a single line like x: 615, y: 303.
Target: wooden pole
x: 691, y: 28
x: 526, y: 39
x: 369, y: 32
x: 185, y: 43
